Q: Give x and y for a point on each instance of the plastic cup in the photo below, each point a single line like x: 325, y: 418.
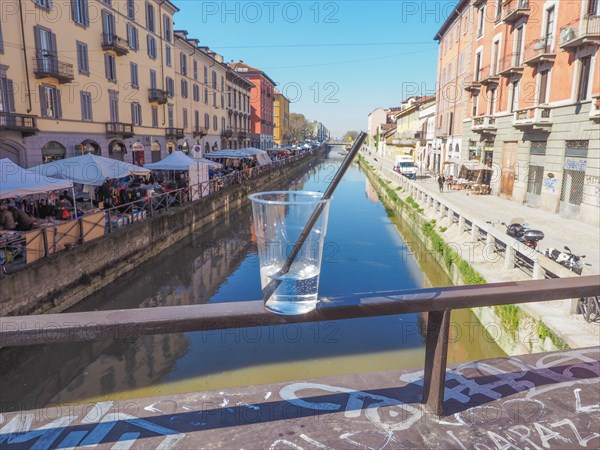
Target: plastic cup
x: 279, y: 218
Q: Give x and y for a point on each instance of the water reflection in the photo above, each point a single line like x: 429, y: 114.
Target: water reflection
x: 363, y: 252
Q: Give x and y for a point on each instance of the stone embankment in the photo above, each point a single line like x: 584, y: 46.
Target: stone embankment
x: 472, y: 251
x: 57, y: 283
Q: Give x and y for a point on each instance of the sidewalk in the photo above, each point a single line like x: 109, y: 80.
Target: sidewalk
x: 558, y: 231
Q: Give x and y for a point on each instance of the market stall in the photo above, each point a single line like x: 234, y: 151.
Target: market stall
x: 197, y: 169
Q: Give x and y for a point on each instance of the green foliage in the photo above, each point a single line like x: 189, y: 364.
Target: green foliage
x: 544, y: 332
x: 443, y: 229
x: 399, y: 188
x: 411, y: 201
x: 509, y: 316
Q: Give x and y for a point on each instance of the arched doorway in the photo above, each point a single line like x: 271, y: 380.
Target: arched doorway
x: 12, y: 151
x: 88, y: 146
x: 155, y: 151
x: 53, y: 151
x: 185, y: 147
x: 117, y: 150
x: 171, y: 146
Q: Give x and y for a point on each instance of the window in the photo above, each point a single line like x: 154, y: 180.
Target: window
x: 168, y: 56
x: 152, y: 79
x: 185, y: 118
x: 214, y: 96
x: 215, y: 123
x: 223, y: 123
x: 543, y: 90
x: 205, y: 75
x: 113, y: 105
x: 171, y: 119
x: 151, y: 46
x: 481, y: 21
x: 43, y: 3
x: 477, y: 66
x: 206, y: 121
x: 549, y: 28
x: 131, y: 9
x: 584, y: 78
x: 475, y: 101
x: 514, y: 104
x: 170, y: 87
x: 206, y: 95
x: 7, y: 95
x: 86, y: 106
x: 82, y: 58
x: 196, y: 119
x: 150, y: 17
x: 492, y: 96
x: 155, y: 117
x: 50, y: 101
x: 79, y: 12
x: 593, y: 8
x: 167, y: 27
x: 518, y: 56
x: 132, y: 37
x: 110, y: 67
x: 1, y: 40
x: 498, y: 11
x: 495, y: 56
x: 196, y: 91
x: 214, y: 80
x: 196, y: 70
x: 108, y: 25
x: 184, y: 88
x: 107, y: 2
x: 183, y: 64
x: 222, y: 101
x: 134, y: 76
x: 450, y: 124
x: 136, y: 113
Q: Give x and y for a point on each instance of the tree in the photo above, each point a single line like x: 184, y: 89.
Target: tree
x: 350, y: 135
x: 300, y: 128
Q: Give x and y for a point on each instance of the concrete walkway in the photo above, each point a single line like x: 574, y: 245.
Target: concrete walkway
x: 533, y: 401
x: 558, y: 231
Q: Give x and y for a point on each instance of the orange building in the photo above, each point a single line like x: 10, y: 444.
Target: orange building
x: 533, y: 96
x: 262, y: 97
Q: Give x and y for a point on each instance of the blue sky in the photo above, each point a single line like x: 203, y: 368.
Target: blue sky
x: 335, y: 60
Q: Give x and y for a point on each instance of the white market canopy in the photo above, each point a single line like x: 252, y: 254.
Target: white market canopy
x: 89, y: 169
x: 179, y: 161
x: 261, y: 156
x: 17, y: 182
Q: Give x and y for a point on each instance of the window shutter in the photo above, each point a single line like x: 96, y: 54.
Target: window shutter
x: 38, y: 46
x: 10, y: 94
x: 53, y: 44
x: 43, y: 106
x: 73, y: 9
x: 139, y: 108
x: 58, y: 103
x: 86, y: 15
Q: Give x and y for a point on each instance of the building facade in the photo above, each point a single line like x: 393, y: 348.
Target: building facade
x: 534, y: 102
x: 262, y: 97
x: 238, y: 109
x: 85, y: 83
x: 376, y: 118
x: 281, y: 116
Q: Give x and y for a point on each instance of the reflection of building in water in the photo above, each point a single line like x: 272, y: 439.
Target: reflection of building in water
x: 370, y: 191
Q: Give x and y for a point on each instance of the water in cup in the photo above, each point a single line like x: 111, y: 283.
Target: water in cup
x: 297, y: 292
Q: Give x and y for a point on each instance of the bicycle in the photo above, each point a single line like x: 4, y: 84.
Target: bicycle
x: 590, y: 308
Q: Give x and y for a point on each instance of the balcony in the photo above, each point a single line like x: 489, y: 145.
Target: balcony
x: 484, y: 124
x: 115, y: 43
x: 47, y: 65
x: 227, y: 133
x: 24, y: 124
x: 241, y: 135
x: 583, y: 32
x: 516, y: 10
x: 471, y: 83
x: 199, y: 132
x: 490, y: 76
x: 537, y: 118
x: 441, y: 133
x: 158, y: 96
x: 174, y: 133
x: 540, y: 51
x: 119, y: 130
x: 512, y: 65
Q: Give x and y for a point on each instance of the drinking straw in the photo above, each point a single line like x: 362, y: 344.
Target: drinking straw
x: 276, y: 281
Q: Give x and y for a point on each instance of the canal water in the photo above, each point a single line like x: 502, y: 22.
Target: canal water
x: 364, y: 251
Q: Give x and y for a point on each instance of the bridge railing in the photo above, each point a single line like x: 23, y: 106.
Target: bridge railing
x: 437, y: 302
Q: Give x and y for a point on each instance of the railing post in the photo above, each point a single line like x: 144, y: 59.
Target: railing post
x: 509, y: 257
x: 436, y: 353
x: 461, y: 223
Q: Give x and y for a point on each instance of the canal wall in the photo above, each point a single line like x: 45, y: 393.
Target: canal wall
x: 515, y: 329
x: 54, y: 284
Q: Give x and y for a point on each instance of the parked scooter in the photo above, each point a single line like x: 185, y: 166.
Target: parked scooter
x: 567, y: 259
x: 518, y: 229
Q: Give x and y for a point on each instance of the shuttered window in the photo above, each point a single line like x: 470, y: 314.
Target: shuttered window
x: 86, y: 106
x: 50, y: 102
x: 110, y: 66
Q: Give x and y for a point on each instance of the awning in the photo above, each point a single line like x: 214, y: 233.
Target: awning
x: 16, y: 181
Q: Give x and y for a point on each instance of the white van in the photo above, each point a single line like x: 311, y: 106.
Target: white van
x: 405, y: 165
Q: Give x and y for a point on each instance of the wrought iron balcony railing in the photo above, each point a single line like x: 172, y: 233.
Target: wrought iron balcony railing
x: 584, y: 31
x: 25, y: 124
x: 159, y: 96
x: 540, y: 51
x: 119, y: 129
x: 516, y: 10
x: 512, y: 65
x: 199, y: 132
x: 174, y: 133
x: 115, y: 43
x: 48, y: 65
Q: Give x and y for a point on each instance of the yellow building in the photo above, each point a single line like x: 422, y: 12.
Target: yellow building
x: 281, y: 115
x: 110, y: 77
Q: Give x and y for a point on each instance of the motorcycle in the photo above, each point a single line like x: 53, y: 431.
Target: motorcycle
x: 522, y: 233
x: 567, y: 259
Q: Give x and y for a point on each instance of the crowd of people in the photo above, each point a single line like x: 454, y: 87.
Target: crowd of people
x: 27, y: 214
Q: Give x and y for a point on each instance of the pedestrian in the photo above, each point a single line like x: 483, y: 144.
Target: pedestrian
x: 441, y: 180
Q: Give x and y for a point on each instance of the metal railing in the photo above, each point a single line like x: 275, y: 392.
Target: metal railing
x: 111, y: 41
x: 515, y: 10
x: 577, y: 33
x: 540, y: 50
x: 512, y: 62
x: 159, y: 96
x: 48, y: 65
x: 18, y: 122
x: 115, y: 129
x: 174, y: 133
x: 437, y: 302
